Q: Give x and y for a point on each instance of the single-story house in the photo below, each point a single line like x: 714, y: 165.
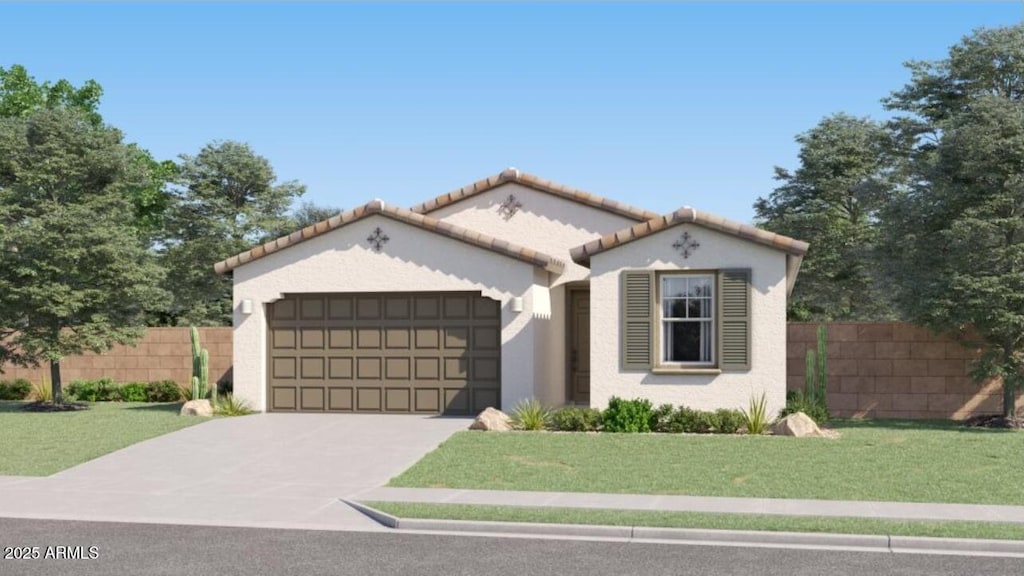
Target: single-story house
x: 511, y: 288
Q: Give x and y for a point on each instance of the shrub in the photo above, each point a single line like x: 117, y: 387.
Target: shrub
x: 42, y: 391
x: 576, y: 419
x: 627, y: 415
x: 102, y: 390
x: 530, y: 415
x: 661, y: 418
x: 756, y: 416
x: 163, y: 391
x: 18, y: 389
x: 797, y: 401
x: 228, y: 405
x: 729, y: 421
x: 134, y: 392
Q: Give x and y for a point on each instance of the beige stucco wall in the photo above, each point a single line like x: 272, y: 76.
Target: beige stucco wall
x: 413, y: 260
x: 551, y: 225
x: 725, y: 390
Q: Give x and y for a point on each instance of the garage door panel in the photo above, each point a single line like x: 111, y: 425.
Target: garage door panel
x: 388, y: 352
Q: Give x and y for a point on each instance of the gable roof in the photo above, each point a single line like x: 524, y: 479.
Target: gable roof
x: 794, y: 249
x: 541, y: 185
x: 377, y: 207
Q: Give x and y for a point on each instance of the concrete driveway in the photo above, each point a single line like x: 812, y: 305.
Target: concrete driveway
x: 265, y: 470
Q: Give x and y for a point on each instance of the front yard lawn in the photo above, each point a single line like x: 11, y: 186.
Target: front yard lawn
x: 40, y: 444
x: 763, y: 522
x: 909, y: 461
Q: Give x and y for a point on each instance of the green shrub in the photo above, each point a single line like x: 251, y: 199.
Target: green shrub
x: 627, y: 415
x: 756, y: 415
x: 797, y: 401
x: 134, y: 392
x: 530, y: 415
x: 163, y: 391
x: 102, y: 390
x: 17, y: 389
x: 729, y: 421
x: 661, y: 418
x: 576, y: 419
x: 228, y: 405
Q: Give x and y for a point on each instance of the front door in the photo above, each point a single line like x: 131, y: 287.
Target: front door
x: 579, y: 347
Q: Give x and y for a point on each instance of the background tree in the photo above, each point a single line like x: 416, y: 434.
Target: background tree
x: 832, y: 201
x: 21, y: 95
x: 73, y: 276
x: 227, y: 201
x: 306, y: 214
x: 955, y: 240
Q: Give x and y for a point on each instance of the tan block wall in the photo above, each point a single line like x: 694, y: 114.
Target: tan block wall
x: 162, y: 354
x: 893, y: 370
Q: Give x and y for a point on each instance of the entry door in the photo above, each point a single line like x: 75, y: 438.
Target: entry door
x: 579, y: 346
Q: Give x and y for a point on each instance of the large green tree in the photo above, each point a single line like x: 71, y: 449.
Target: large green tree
x: 832, y: 201
x: 21, y: 95
x: 955, y: 239
x: 73, y: 276
x: 228, y: 200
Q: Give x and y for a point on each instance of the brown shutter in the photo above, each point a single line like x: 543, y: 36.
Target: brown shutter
x: 638, y: 319
x: 734, y: 319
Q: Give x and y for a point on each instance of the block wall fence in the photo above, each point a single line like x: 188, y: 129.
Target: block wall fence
x: 875, y: 369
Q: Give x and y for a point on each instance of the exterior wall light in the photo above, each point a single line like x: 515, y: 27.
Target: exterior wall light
x: 246, y: 306
x: 516, y: 304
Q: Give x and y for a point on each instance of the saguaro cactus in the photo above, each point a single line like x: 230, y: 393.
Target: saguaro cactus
x: 815, y: 368
x: 200, y: 368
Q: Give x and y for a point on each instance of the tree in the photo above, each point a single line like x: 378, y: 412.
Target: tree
x: 227, y: 201
x: 73, y: 276
x: 832, y: 201
x: 306, y: 214
x: 955, y: 240
x: 21, y: 95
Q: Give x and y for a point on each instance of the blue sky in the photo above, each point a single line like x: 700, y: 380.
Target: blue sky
x: 657, y: 105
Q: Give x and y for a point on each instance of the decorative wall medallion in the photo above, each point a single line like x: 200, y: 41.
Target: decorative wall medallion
x: 378, y: 239
x: 686, y: 245
x: 509, y: 207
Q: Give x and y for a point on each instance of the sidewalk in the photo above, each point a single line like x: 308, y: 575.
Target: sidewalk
x: 882, y: 510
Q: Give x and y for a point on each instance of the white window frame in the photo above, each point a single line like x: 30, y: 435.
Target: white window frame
x: 710, y: 320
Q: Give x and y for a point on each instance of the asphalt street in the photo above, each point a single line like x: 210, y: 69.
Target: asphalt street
x: 124, y: 549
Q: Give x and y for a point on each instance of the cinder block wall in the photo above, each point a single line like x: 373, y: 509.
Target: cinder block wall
x: 162, y: 354
x: 893, y: 370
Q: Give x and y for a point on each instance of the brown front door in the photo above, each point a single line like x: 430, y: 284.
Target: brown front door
x: 579, y: 347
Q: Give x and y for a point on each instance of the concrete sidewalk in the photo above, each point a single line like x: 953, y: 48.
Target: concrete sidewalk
x: 882, y: 510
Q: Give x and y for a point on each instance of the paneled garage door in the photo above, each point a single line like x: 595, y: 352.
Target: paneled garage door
x: 432, y: 352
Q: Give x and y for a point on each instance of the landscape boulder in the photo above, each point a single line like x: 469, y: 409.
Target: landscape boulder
x: 197, y: 408
x: 797, y: 424
x: 492, y: 419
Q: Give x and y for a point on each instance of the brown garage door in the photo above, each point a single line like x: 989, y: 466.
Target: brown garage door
x: 432, y: 352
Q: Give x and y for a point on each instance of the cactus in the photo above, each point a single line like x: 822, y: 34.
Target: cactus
x: 200, y: 368
x: 816, y: 365
x: 822, y: 362
x: 809, y: 372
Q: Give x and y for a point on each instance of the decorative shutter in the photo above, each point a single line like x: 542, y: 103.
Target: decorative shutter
x: 637, y: 313
x: 734, y: 319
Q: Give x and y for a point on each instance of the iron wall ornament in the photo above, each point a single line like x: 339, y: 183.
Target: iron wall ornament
x: 509, y: 207
x: 378, y: 239
x: 686, y: 245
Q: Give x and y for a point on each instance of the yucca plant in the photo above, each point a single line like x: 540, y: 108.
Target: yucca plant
x: 228, y: 405
x: 530, y: 415
x: 755, y: 417
x: 42, y: 391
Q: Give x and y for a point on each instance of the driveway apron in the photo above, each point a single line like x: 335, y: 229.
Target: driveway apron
x: 269, y: 470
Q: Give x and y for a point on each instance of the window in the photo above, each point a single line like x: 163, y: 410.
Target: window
x: 687, y: 319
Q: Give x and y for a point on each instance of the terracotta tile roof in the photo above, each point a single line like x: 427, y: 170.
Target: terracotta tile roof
x: 540, y: 184
x: 402, y: 215
x: 686, y: 215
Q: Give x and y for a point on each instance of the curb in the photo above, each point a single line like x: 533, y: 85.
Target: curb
x: 707, y: 537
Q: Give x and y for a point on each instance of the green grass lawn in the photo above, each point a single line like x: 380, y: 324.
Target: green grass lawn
x: 40, y: 444
x: 764, y: 522
x: 908, y: 461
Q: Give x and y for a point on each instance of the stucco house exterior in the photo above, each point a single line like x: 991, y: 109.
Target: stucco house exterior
x: 510, y: 288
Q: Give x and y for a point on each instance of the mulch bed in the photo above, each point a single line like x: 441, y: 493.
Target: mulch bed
x: 51, y: 407
x: 993, y: 421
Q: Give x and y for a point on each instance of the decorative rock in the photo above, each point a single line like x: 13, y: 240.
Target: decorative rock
x: 492, y: 419
x: 797, y: 424
x: 197, y: 408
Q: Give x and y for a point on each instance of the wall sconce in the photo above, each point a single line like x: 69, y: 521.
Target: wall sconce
x: 246, y: 306
x: 516, y: 304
